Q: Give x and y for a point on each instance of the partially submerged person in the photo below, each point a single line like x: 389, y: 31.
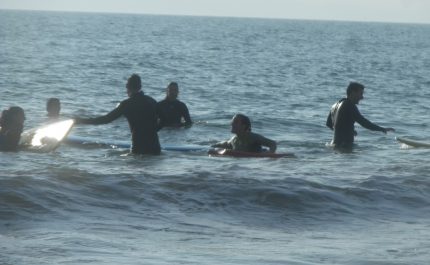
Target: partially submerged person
x: 174, y: 108
x: 344, y: 114
x: 12, y: 124
x: 144, y: 117
x: 53, y: 107
x: 245, y: 140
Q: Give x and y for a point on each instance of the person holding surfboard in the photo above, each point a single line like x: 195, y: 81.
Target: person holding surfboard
x: 344, y: 113
x: 174, y: 108
x: 144, y: 117
x: 245, y: 140
x: 11, y: 123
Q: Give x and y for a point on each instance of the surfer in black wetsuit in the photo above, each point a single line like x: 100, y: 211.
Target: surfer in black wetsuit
x: 345, y: 113
x: 11, y: 123
x: 53, y: 107
x: 174, y: 109
x: 143, y: 115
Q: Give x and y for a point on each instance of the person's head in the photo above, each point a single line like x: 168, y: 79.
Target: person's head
x: 354, y: 92
x: 240, y: 124
x: 53, y: 107
x: 12, y: 115
x: 133, y: 84
x: 172, y: 91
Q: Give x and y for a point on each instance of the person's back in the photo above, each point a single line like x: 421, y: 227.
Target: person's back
x: 144, y: 117
x: 342, y: 115
x: 141, y: 113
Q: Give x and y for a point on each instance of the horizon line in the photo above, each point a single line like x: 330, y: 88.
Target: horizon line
x: 219, y: 16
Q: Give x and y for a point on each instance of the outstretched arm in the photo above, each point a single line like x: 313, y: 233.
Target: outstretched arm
x: 388, y: 129
x: 268, y: 143
x: 366, y: 123
x: 111, y: 116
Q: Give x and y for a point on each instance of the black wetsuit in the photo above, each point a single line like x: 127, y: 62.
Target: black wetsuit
x: 4, y: 146
x: 341, y: 119
x: 145, y: 119
x: 175, y: 110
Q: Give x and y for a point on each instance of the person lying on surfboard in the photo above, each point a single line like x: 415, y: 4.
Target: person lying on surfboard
x: 11, y: 123
x: 245, y: 140
x: 344, y: 114
x: 144, y: 117
x: 174, y: 108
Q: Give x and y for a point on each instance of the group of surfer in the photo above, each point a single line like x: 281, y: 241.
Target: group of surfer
x: 146, y: 117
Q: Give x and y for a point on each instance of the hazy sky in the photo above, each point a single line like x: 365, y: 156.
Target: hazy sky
x: 410, y: 11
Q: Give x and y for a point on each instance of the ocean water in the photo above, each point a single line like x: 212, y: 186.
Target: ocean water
x: 98, y: 205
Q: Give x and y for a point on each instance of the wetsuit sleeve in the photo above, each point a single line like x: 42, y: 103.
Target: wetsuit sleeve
x: 329, y: 122
x: 366, y: 123
x: 266, y: 142
x: 186, y: 115
x: 162, y: 117
x: 111, y: 116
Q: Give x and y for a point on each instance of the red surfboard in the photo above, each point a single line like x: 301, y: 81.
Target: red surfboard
x: 228, y: 152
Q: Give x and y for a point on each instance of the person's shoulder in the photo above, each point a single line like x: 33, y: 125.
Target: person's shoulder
x: 149, y: 98
x: 253, y: 135
x: 181, y: 103
x: 163, y: 101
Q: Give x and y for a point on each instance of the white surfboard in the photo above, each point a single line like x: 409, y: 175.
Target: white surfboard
x: 412, y: 142
x: 45, y: 138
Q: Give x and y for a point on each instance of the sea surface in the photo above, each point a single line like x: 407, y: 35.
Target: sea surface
x: 89, y: 204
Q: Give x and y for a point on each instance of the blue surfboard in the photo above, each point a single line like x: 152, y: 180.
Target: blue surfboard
x: 70, y: 139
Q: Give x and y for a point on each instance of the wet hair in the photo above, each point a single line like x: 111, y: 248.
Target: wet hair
x: 353, y: 86
x: 245, y: 120
x: 172, y: 84
x: 51, y: 103
x: 7, y: 116
x: 134, y: 82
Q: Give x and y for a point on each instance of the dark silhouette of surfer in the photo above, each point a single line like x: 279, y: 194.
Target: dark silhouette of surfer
x: 174, y: 108
x: 11, y: 123
x: 144, y: 117
x: 344, y: 114
x: 53, y: 107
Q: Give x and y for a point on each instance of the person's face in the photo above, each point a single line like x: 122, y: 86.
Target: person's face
x: 356, y: 96
x: 236, y: 125
x: 55, y: 109
x: 172, y: 92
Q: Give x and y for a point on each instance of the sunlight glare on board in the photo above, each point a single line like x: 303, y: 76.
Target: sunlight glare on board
x: 51, y: 133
